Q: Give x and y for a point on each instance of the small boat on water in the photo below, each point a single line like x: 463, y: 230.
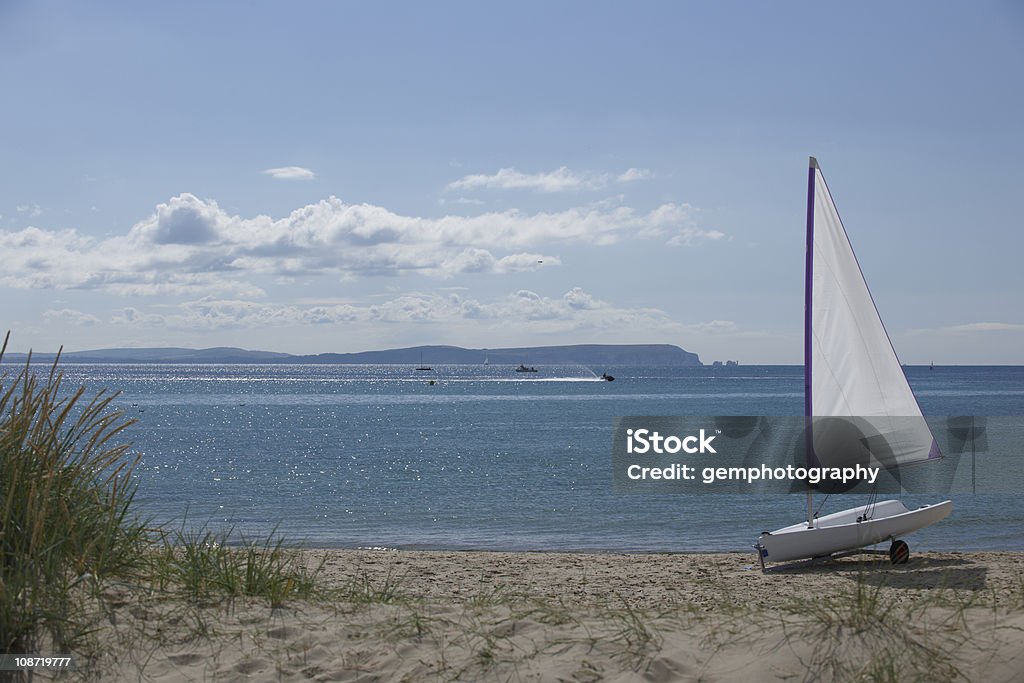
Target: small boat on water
x: 423, y: 367
x: 524, y: 368
x: 606, y: 377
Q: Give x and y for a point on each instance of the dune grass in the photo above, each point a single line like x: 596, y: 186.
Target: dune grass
x: 65, y: 493
x: 203, y: 565
x: 864, y: 634
x: 67, y: 527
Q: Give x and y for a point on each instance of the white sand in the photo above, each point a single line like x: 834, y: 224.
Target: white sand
x: 591, y: 617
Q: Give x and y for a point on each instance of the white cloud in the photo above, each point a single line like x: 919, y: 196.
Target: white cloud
x: 972, y: 328
x: 68, y: 316
x: 987, y: 327
x: 561, y: 179
x: 525, y: 309
x: 185, y: 219
x: 578, y: 299
x: 516, y: 263
x: 130, y: 315
x: 191, y: 245
x: 631, y: 175
x: 290, y: 173
x: 687, y: 236
x: 714, y: 327
x: 29, y: 210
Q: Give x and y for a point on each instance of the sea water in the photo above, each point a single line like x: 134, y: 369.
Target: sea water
x: 481, y: 457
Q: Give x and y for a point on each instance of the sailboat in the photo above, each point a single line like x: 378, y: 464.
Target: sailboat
x: 850, y: 370
x: 422, y: 366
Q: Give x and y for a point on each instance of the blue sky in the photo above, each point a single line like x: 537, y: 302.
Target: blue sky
x: 312, y: 177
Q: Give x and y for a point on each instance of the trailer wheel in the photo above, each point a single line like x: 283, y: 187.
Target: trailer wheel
x: 899, y: 552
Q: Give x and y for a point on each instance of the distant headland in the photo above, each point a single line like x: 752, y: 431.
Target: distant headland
x: 603, y: 355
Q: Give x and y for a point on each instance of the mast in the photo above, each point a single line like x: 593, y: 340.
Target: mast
x: 808, y: 337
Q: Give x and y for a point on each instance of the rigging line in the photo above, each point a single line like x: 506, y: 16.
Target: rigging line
x: 869, y: 509
x: 823, y: 501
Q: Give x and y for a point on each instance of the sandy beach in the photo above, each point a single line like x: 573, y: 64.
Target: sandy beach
x: 446, y: 616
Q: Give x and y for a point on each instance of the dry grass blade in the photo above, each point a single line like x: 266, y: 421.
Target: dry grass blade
x: 64, y: 498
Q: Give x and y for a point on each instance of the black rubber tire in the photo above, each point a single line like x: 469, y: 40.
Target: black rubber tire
x: 899, y: 552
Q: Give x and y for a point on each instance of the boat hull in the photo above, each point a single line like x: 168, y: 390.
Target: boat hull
x: 848, y: 530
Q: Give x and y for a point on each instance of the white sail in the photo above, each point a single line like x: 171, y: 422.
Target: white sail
x: 854, y: 370
x: 852, y: 373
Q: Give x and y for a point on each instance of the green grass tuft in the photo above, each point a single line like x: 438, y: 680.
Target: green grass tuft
x: 65, y: 493
x: 206, y: 566
x: 66, y: 528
